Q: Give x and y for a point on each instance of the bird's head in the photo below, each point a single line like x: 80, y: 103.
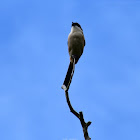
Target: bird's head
x: 76, y: 27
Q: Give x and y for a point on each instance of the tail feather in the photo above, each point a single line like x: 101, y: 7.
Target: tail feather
x: 69, y: 76
x: 75, y: 58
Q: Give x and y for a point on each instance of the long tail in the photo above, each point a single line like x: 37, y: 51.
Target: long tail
x: 69, y: 76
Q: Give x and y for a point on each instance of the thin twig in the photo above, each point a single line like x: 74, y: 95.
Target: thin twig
x: 80, y: 117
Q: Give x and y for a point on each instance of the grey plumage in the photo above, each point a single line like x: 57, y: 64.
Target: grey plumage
x: 76, y: 43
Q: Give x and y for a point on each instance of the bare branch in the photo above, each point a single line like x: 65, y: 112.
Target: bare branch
x: 70, y: 106
x: 80, y: 117
x: 84, y: 126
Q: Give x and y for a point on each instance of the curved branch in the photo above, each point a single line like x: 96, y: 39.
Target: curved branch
x: 80, y: 117
x: 70, y: 106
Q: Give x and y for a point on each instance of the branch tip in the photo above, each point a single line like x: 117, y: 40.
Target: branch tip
x: 88, y: 123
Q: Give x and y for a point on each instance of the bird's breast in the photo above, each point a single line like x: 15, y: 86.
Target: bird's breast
x: 75, y: 39
x: 76, y: 44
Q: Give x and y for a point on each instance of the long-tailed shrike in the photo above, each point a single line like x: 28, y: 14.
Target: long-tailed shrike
x: 76, y: 43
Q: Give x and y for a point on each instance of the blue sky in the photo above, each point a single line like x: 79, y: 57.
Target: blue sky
x: 34, y: 60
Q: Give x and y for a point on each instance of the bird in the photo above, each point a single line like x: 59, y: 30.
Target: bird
x: 76, y: 43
